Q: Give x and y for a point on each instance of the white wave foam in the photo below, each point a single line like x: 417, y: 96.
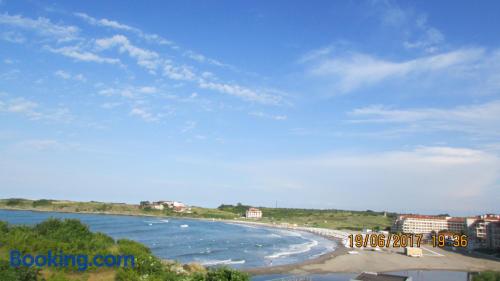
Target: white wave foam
x: 294, y: 250
x: 156, y: 222
x: 219, y: 262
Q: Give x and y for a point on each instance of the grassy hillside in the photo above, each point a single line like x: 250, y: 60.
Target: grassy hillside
x: 73, y: 237
x: 107, y: 208
x: 336, y: 219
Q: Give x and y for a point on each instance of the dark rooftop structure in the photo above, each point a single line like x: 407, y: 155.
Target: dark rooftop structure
x: 371, y: 276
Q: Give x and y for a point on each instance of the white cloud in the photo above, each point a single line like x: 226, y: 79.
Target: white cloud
x: 33, y: 111
x: 145, y: 58
x: 155, y: 38
x: 104, y: 22
x: 148, y: 90
x: 242, y: 92
x: 120, y: 26
x: 268, y: 116
x: 110, y: 105
x: 68, y: 76
x: 41, y: 26
x: 203, y: 59
x: 128, y: 92
x: 13, y: 37
x: 413, y: 26
x: 480, y: 119
x: 415, y: 180
x: 145, y: 114
x: 355, y: 70
x: 76, y: 53
x: 182, y: 72
x: 188, y: 126
x: 45, y: 144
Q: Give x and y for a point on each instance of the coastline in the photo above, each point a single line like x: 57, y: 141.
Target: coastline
x: 314, y: 260
x: 339, y: 260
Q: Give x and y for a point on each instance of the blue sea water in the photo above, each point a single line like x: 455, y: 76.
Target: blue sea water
x: 206, y: 242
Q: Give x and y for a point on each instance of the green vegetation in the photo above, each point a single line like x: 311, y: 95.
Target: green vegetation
x: 338, y: 219
x: 487, y: 276
x: 73, y: 237
x: 331, y: 218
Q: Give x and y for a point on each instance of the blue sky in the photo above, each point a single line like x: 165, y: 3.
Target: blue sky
x: 353, y: 105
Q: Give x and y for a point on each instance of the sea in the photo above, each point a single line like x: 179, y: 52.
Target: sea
x: 215, y: 243
x: 211, y: 243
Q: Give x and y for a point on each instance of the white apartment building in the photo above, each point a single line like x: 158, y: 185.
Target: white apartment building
x: 420, y: 224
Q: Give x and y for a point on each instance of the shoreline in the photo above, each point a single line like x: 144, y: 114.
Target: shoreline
x: 320, y: 258
x: 339, y: 260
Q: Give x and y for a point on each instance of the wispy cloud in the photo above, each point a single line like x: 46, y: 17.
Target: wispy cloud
x: 68, y: 76
x: 242, y: 92
x: 120, y: 26
x: 33, y: 110
x: 154, y: 38
x: 41, y: 26
x: 181, y: 72
x: 145, y: 114
x: 413, y: 26
x: 480, y: 119
x: 459, y: 179
x: 145, y: 58
x: 261, y: 114
x: 78, y: 54
x: 13, y: 37
x: 355, y: 70
x: 189, y: 126
x: 46, y: 145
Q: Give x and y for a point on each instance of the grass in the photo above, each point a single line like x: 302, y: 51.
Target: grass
x: 74, y: 238
x: 331, y: 218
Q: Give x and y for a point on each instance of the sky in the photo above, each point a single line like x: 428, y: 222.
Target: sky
x: 381, y: 105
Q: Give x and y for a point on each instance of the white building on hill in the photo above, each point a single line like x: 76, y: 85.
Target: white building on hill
x: 253, y: 213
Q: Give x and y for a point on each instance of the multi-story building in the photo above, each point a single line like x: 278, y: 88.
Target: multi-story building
x: 253, y: 213
x: 483, y: 231
x: 420, y: 224
x: 494, y: 235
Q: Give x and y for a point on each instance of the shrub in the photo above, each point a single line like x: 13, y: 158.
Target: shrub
x: 487, y: 276
x: 41, y: 202
x: 17, y: 273
x: 14, y: 201
x: 226, y: 274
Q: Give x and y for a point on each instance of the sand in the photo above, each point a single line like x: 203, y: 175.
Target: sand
x: 384, y: 261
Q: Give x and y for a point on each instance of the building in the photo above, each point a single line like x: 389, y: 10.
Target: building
x: 483, y: 231
x: 163, y: 204
x: 253, y: 213
x: 157, y: 206
x: 422, y: 224
x: 372, y: 276
x: 494, y: 235
x: 486, y: 231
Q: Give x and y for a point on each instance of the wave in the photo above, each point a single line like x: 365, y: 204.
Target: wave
x: 220, y: 262
x: 156, y: 222
x: 294, y: 250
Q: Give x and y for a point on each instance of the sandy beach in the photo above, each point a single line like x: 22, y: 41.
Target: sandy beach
x: 392, y: 259
x: 384, y: 261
